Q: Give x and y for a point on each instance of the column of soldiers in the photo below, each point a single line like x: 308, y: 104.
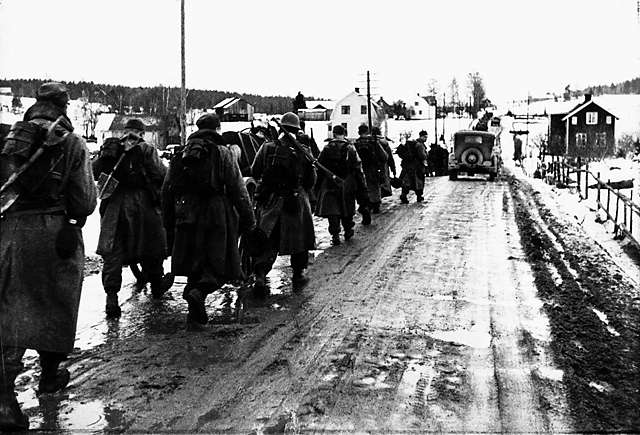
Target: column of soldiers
x: 195, y: 212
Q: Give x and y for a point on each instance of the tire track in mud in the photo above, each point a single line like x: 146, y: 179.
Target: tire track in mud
x: 594, y: 311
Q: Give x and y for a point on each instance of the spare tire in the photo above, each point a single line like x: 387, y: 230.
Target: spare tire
x: 472, y: 156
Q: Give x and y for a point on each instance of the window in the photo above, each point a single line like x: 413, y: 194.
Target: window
x: 415, y: 103
x: 601, y: 140
x: 574, y: 120
x: 581, y: 140
x: 346, y: 110
x: 592, y: 118
x: 420, y: 112
x: 609, y: 120
x: 363, y: 110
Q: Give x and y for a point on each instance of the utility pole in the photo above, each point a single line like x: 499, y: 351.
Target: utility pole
x: 527, y: 140
x: 369, y: 101
x: 435, y: 118
x: 444, y: 103
x: 183, y: 94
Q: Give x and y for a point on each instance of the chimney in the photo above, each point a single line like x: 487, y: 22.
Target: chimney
x: 357, y: 90
x: 587, y: 97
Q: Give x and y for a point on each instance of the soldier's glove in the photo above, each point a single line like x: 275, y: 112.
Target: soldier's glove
x: 68, y: 237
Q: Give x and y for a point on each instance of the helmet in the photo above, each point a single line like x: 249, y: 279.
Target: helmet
x: 290, y: 119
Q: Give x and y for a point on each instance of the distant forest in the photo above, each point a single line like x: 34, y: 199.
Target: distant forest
x: 627, y: 87
x: 157, y: 100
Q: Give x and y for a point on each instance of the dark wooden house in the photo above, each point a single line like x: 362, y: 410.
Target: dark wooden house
x: 234, y: 109
x: 587, y: 130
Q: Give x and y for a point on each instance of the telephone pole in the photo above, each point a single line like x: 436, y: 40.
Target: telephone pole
x: 369, y: 101
x: 183, y: 95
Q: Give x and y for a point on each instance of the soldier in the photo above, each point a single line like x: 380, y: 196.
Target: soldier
x: 41, y: 246
x: 414, y: 156
x: 373, y: 159
x: 336, y: 201
x: 206, y: 205
x: 389, y: 166
x: 283, y: 208
x: 307, y: 140
x: 131, y: 227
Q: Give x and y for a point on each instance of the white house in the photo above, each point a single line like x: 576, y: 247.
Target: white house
x: 351, y: 112
x: 418, y: 107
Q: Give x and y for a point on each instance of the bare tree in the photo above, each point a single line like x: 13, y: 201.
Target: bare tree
x: 476, y: 91
x: 454, y: 91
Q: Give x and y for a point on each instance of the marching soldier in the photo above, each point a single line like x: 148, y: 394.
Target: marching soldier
x: 389, y: 166
x: 336, y: 201
x: 414, y: 157
x: 206, y: 206
x: 373, y: 159
x: 131, y: 227
x: 283, y: 210
x: 41, y: 246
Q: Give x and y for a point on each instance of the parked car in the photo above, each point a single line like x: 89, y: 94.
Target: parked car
x: 474, y: 152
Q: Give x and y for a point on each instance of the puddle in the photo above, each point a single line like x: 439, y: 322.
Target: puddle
x: 475, y: 337
x: 62, y: 413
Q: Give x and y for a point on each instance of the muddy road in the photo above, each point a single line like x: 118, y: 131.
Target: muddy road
x: 476, y: 310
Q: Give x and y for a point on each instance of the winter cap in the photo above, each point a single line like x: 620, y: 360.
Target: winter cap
x: 363, y: 129
x: 208, y: 121
x: 375, y: 131
x: 53, y: 91
x: 338, y: 130
x: 134, y: 124
x: 423, y: 133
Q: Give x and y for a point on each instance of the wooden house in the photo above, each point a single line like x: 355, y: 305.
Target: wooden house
x: 587, y: 130
x: 234, y: 109
x: 316, y: 111
x: 159, y: 131
x: 352, y: 111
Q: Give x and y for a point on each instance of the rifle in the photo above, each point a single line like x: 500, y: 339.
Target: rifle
x: 309, y: 156
x: 7, y: 198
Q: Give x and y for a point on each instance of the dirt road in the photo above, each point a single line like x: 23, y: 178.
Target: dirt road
x: 437, y: 317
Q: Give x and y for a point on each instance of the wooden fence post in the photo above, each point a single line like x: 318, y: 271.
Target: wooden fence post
x: 615, y: 230
x: 598, y: 184
x: 608, y: 197
x: 578, y: 183
x: 586, y: 181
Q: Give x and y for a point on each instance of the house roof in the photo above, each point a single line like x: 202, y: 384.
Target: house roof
x: 320, y: 104
x: 227, y: 102
x: 582, y: 106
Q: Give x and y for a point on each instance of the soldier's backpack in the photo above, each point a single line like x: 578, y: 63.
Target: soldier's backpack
x: 39, y: 182
x: 334, y: 157
x: 193, y: 167
x: 403, y: 151
x: 366, y: 150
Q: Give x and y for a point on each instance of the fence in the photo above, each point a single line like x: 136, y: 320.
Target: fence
x: 607, y: 193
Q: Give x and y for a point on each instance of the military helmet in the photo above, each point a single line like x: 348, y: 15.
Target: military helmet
x: 290, y: 119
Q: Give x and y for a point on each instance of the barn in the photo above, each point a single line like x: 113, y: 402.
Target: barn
x: 316, y: 111
x: 234, y: 109
x: 586, y: 130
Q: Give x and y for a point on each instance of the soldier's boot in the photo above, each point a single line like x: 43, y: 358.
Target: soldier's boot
x: 197, y: 311
x: 375, y: 207
x: 298, y: 280
x: 52, y: 378
x: 11, y: 417
x: 403, y: 199
x: 112, y: 307
x: 260, y: 287
x: 366, y: 215
x: 159, y: 286
x: 348, y: 234
x: 335, y: 239
x: 419, y: 198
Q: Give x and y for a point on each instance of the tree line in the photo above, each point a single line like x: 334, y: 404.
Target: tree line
x: 156, y: 100
x: 627, y: 87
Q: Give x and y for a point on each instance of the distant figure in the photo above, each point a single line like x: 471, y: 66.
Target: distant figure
x: 206, y: 206
x: 337, y: 201
x: 517, y: 148
x: 307, y: 140
x: 299, y: 103
x: 373, y: 158
x: 131, y: 227
x: 414, y: 160
x: 41, y: 247
x: 389, y: 166
x: 283, y: 210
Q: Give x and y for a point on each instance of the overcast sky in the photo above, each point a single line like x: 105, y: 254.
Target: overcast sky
x: 324, y: 47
